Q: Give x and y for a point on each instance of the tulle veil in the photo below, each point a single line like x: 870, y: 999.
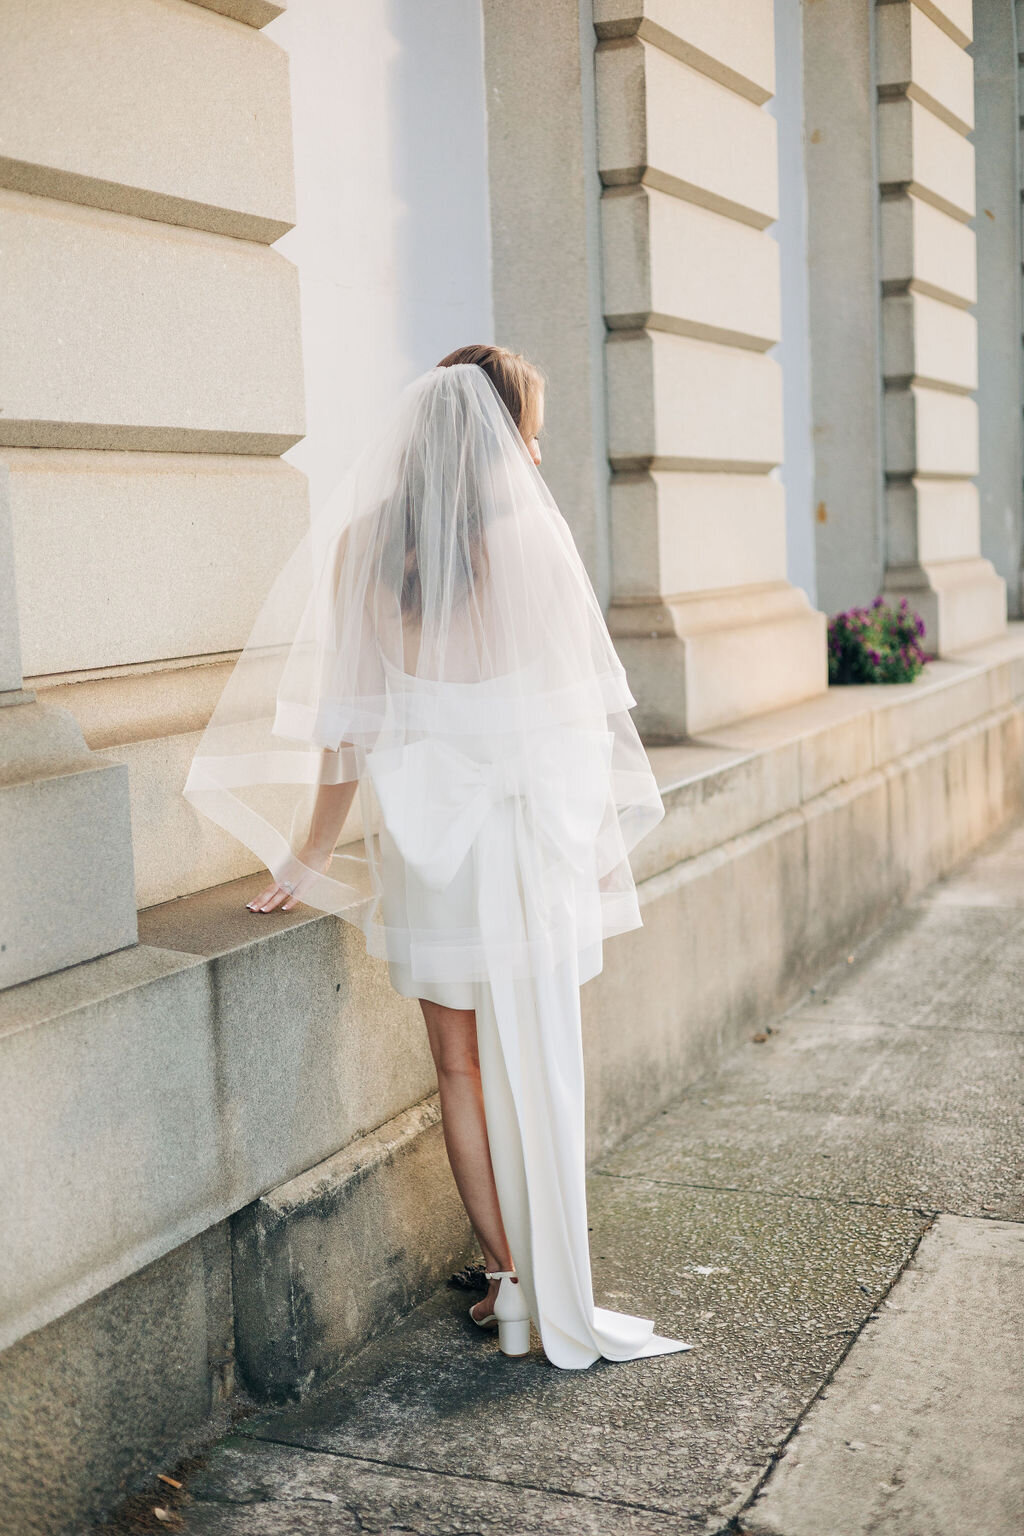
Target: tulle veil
x: 435, y: 636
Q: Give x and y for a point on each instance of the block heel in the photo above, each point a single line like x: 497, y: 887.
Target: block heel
x: 510, y: 1313
x: 514, y: 1336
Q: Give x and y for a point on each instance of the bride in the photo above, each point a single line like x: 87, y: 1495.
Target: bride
x: 434, y: 647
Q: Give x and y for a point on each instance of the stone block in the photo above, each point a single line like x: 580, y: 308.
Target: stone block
x: 199, y: 1060
x: 341, y: 1253
x: 675, y: 402
x: 704, y: 1001
x: 918, y: 59
x: 196, y: 122
x: 930, y: 432
x: 931, y: 520
x: 919, y: 153
x: 732, y: 41
x: 254, y: 13
x: 671, y: 265
x: 157, y: 337
x: 124, y: 558
x: 924, y: 245
x: 114, y: 1391
x: 178, y: 850
x: 928, y: 341
x: 664, y: 123
x: 699, y: 662
x: 65, y: 846
x: 962, y: 602
x: 953, y: 16
x: 675, y: 532
x: 714, y: 792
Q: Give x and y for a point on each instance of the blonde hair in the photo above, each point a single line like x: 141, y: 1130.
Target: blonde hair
x: 518, y: 382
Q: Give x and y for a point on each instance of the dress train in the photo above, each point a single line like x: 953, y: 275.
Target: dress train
x: 531, y: 1066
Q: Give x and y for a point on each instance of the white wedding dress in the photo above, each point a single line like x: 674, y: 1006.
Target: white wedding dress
x: 436, y: 638
x: 446, y: 873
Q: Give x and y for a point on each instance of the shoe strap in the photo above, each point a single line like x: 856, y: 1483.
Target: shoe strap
x: 496, y: 1274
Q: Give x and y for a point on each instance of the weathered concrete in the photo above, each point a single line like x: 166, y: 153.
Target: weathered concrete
x: 924, y: 1423
x: 340, y: 1254
x: 115, y: 1387
x: 820, y: 1217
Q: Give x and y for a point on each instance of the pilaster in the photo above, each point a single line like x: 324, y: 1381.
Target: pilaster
x: 702, y: 614
x: 926, y: 172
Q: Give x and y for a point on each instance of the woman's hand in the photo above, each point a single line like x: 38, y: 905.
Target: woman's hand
x: 299, y: 874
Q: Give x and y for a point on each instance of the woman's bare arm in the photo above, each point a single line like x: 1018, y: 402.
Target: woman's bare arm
x: 330, y: 808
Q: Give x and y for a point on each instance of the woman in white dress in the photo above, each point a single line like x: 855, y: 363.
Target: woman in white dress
x: 435, y: 647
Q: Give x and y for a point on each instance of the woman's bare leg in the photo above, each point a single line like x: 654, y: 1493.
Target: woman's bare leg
x: 452, y: 1036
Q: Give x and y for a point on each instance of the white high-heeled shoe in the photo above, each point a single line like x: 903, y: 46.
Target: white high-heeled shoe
x: 510, y: 1314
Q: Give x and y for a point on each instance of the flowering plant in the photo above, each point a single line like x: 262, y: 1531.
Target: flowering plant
x: 879, y: 644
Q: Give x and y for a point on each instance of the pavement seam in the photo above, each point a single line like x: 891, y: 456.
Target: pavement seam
x: 472, y: 1477
x: 734, y: 1525
x: 781, y: 1194
x: 828, y: 1017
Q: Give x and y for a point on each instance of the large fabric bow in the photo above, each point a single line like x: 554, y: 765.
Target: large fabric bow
x: 435, y: 798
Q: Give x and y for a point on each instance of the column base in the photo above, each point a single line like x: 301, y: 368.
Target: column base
x: 695, y: 663
x: 66, y: 862
x: 962, y: 602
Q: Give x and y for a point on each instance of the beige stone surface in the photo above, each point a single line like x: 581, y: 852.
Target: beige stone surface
x: 930, y: 431
x: 931, y: 520
x: 919, y: 152
x: 676, y: 402
x: 157, y: 337
x: 255, y: 13
x: 702, y: 661
x: 679, y: 531
x: 929, y: 341
x: 146, y: 1063
x: 953, y: 16
x: 918, y: 59
x: 177, y: 849
x: 962, y: 602
x: 11, y: 675
x: 545, y: 244
x: 195, y: 126
x: 667, y: 124
x: 732, y: 41
x: 65, y: 846
x: 671, y: 265
x: 127, y: 558
x: 924, y: 245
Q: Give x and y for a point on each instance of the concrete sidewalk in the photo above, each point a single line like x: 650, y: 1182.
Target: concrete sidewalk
x: 833, y: 1218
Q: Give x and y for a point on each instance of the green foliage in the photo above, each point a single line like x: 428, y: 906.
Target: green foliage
x: 879, y: 644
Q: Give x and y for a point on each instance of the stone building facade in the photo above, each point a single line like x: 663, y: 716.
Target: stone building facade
x: 769, y: 259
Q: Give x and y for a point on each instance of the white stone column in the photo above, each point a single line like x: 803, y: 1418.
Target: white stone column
x: 840, y: 110
x: 929, y: 335
x: 997, y: 227
x: 150, y: 376
x: 703, y: 616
